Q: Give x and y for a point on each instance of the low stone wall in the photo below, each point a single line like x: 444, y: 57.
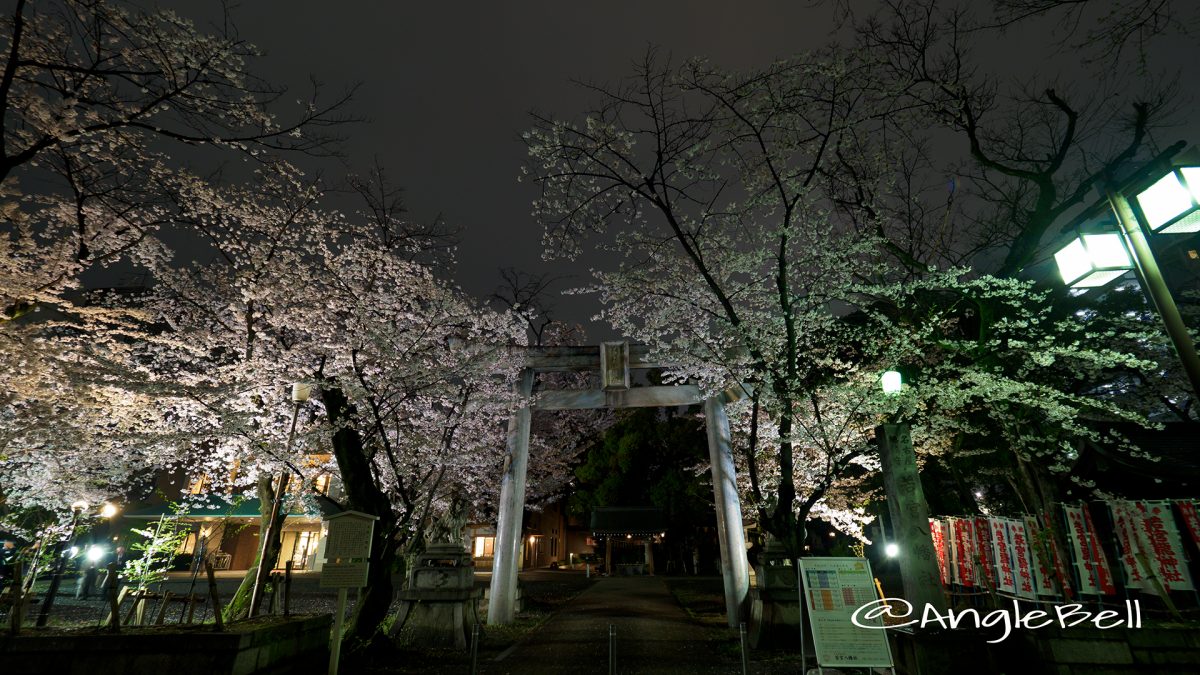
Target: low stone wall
x: 264, y: 646
x: 1151, y: 650
x: 1168, y: 650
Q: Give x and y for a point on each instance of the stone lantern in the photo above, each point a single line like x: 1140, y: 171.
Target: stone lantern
x: 440, y: 603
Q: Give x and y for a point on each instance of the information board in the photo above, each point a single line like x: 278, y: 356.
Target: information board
x: 344, y: 574
x: 833, y: 589
x: 348, y: 537
x: 347, y: 548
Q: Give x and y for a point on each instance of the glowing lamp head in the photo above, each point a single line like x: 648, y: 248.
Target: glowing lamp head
x: 108, y: 510
x: 1172, y: 204
x: 892, y: 382
x: 73, y: 551
x: 94, y: 554
x: 79, y: 506
x: 891, y: 550
x: 1093, y: 260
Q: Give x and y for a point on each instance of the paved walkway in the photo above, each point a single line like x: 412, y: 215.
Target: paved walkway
x: 654, y: 635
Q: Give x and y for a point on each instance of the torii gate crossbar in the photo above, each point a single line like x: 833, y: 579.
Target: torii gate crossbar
x: 614, y: 360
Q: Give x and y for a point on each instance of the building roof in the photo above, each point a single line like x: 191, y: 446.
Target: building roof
x: 633, y: 520
x: 221, y: 507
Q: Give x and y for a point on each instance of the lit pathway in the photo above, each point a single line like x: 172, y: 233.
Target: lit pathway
x: 654, y: 635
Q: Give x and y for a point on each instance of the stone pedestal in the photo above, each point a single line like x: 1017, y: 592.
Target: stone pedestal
x: 774, y: 602
x: 440, y: 603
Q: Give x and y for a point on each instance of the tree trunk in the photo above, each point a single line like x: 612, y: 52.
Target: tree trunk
x: 239, y: 606
x: 363, y: 494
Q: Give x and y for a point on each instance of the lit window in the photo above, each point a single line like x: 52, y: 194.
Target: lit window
x: 321, y: 484
x: 485, y: 547
x: 199, y: 484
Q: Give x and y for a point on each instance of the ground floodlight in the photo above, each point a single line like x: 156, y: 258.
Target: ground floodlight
x: 1172, y: 204
x: 1093, y: 260
x: 891, y: 550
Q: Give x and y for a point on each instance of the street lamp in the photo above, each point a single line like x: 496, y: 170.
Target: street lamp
x: 1170, y: 204
x: 1093, y: 260
x: 60, y: 563
x: 892, y: 382
x: 300, y: 393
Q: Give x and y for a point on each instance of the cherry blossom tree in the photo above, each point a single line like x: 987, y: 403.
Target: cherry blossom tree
x: 409, y: 416
x: 93, y: 95
x: 747, y: 268
x: 101, y: 103
x: 412, y: 374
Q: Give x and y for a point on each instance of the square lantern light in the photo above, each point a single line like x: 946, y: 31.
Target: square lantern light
x: 1172, y: 204
x: 892, y: 382
x: 1092, y: 260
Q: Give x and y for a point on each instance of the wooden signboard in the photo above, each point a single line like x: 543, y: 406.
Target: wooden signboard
x: 349, y: 535
x: 344, y: 574
x: 347, y: 548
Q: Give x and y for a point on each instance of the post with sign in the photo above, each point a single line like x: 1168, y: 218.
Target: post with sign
x: 347, y: 550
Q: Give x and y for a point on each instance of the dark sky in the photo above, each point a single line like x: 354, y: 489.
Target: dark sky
x: 448, y: 86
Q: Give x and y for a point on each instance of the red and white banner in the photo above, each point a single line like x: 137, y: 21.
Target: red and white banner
x: 1149, y: 528
x: 964, y: 550
x: 983, y: 551
x: 1001, y: 548
x: 1060, y: 568
x: 1043, y: 568
x: 1125, y: 519
x: 1020, y: 557
x: 1162, y: 541
x: 1095, y: 575
x: 937, y: 531
x: 1022, y: 564
x: 1191, y: 517
x: 951, y: 551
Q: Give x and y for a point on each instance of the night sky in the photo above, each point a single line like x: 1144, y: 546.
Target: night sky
x: 447, y: 88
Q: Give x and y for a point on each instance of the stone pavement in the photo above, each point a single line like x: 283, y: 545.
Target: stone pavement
x: 654, y: 635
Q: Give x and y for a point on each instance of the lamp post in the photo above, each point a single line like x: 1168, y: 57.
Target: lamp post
x: 300, y: 393
x: 908, y: 508
x: 1169, y: 205
x: 60, y: 562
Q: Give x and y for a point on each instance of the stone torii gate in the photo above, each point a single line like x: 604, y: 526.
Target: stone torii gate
x: 614, y: 360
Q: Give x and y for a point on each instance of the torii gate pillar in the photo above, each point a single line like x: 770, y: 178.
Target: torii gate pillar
x: 503, y: 593
x: 616, y: 393
x: 735, y: 568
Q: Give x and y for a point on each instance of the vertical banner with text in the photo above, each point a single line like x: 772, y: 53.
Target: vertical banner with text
x: 1001, y: 548
x: 983, y: 550
x: 1163, y: 543
x: 1095, y: 575
x: 937, y: 531
x: 1022, y: 562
